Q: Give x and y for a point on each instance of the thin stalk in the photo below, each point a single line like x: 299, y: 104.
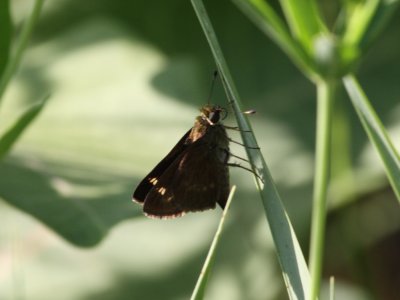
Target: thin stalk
x: 199, y: 290
x: 332, y: 288
x: 325, y: 91
x: 13, y: 63
x: 376, y: 132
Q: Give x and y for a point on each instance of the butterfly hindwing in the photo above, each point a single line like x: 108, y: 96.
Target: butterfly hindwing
x: 180, y: 189
x: 151, y: 179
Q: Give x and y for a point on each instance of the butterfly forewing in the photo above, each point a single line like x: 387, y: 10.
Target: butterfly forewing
x: 151, y: 179
x: 195, y: 181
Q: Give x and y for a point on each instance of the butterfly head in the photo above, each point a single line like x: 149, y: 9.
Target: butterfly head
x: 213, y: 113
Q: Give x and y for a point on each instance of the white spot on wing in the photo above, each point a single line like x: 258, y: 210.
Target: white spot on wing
x: 153, y: 181
x: 162, y: 190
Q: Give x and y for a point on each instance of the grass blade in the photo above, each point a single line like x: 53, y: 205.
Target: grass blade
x: 375, y: 131
x: 5, y: 33
x: 332, y: 288
x: 23, y: 39
x: 11, y: 135
x: 201, y: 284
x: 290, y: 256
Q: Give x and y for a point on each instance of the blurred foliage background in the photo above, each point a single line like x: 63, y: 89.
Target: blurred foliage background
x: 126, y: 80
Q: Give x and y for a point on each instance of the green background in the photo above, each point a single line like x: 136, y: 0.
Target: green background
x: 126, y: 81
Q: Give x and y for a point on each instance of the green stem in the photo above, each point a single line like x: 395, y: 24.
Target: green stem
x: 322, y: 160
x: 13, y: 64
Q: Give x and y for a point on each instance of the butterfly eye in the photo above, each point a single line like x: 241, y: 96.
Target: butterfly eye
x: 219, y: 113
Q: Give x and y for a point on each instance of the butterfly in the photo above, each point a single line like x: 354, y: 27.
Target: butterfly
x: 194, y: 176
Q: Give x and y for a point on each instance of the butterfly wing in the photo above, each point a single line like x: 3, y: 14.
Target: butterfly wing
x: 151, y: 179
x: 195, y: 181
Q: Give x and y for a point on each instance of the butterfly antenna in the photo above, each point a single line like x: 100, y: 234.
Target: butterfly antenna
x: 215, y: 75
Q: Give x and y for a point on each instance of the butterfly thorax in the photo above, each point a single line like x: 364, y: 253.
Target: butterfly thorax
x: 209, y: 129
x: 209, y: 117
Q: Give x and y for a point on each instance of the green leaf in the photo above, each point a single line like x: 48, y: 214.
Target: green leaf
x: 39, y: 198
x: 290, y: 256
x: 5, y: 33
x: 304, y: 20
x: 70, y: 217
x: 266, y: 19
x: 365, y: 21
x: 375, y: 131
x: 11, y: 135
x: 199, y: 290
x: 83, y: 223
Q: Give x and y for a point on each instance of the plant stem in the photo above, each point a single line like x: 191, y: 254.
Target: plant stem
x: 13, y: 63
x: 325, y: 90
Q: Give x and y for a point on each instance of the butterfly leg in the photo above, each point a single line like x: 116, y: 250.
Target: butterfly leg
x: 235, y: 142
x: 241, y: 158
x: 230, y: 154
x: 244, y: 168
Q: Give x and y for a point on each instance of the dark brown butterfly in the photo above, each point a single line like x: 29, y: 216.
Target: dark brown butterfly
x: 194, y: 175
